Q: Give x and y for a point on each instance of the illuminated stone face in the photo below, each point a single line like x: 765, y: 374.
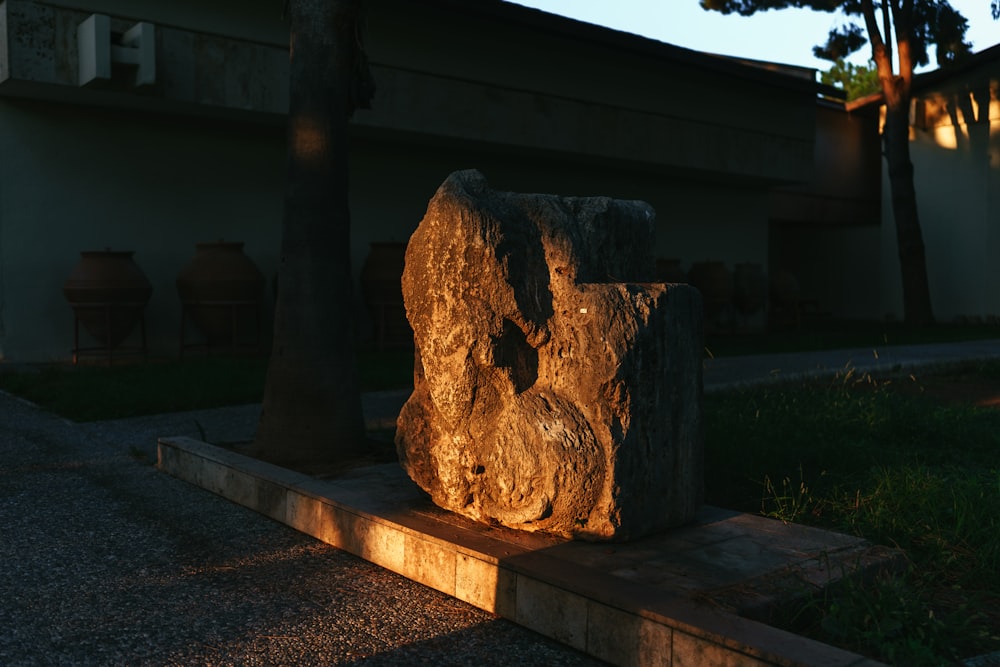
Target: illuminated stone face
x: 557, y: 388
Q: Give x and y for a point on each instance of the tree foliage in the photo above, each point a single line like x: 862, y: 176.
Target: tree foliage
x: 843, y: 41
x: 855, y: 80
x: 933, y: 22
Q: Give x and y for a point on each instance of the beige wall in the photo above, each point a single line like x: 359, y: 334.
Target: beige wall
x: 955, y: 148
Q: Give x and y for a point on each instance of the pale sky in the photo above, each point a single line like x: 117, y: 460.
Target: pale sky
x: 785, y: 36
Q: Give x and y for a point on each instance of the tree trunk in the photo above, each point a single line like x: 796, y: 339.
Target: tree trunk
x: 311, y: 417
x: 917, y: 308
x: 896, y: 88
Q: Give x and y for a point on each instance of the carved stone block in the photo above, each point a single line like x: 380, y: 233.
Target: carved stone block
x: 556, y: 386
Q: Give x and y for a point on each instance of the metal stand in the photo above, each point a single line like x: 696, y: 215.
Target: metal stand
x: 234, y: 307
x: 109, y: 310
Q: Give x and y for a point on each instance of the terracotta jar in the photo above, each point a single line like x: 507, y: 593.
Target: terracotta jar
x: 108, y: 292
x: 216, y: 286
x: 381, y: 286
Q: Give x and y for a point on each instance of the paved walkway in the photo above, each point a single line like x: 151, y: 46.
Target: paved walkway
x: 729, y: 372
x: 106, y: 561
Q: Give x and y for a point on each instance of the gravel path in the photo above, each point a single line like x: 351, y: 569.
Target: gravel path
x: 106, y: 561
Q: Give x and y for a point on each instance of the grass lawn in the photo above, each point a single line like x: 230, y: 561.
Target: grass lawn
x: 900, y: 463
x: 99, y: 392
x: 897, y: 465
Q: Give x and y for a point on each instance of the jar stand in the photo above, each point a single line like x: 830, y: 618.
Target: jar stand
x: 109, y: 310
x: 235, y: 308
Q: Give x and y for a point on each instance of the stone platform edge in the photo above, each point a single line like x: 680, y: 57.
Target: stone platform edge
x: 606, y: 617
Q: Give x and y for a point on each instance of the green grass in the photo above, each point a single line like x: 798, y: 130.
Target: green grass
x: 96, y: 392
x: 895, y: 468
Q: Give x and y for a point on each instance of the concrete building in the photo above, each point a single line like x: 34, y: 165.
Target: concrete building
x: 152, y: 126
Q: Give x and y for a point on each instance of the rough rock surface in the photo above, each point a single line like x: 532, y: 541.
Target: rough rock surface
x: 556, y: 387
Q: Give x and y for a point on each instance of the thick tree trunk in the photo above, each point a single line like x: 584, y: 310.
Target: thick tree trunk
x: 311, y: 416
x: 896, y: 89
x: 917, y: 308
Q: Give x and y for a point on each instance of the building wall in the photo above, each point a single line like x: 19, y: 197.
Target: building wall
x: 74, y: 180
x: 826, y: 232
x: 836, y: 266
x: 195, y: 71
x: 696, y: 219
x: 474, y: 77
x: 200, y: 156
x: 489, y: 73
x: 250, y: 20
x: 140, y: 184
x: 955, y: 148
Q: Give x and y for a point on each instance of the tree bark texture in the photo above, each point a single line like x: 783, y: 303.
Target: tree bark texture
x: 917, y: 309
x: 311, y: 415
x: 896, y: 88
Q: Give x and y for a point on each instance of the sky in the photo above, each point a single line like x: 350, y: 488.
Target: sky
x: 785, y: 36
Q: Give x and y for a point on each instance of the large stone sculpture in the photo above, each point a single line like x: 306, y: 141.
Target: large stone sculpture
x: 556, y: 386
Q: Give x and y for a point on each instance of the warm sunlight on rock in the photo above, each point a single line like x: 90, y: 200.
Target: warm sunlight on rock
x: 549, y: 396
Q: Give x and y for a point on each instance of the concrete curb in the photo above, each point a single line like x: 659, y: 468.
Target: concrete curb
x: 523, y: 577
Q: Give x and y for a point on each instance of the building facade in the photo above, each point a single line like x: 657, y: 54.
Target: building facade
x: 152, y: 126
x: 955, y: 149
